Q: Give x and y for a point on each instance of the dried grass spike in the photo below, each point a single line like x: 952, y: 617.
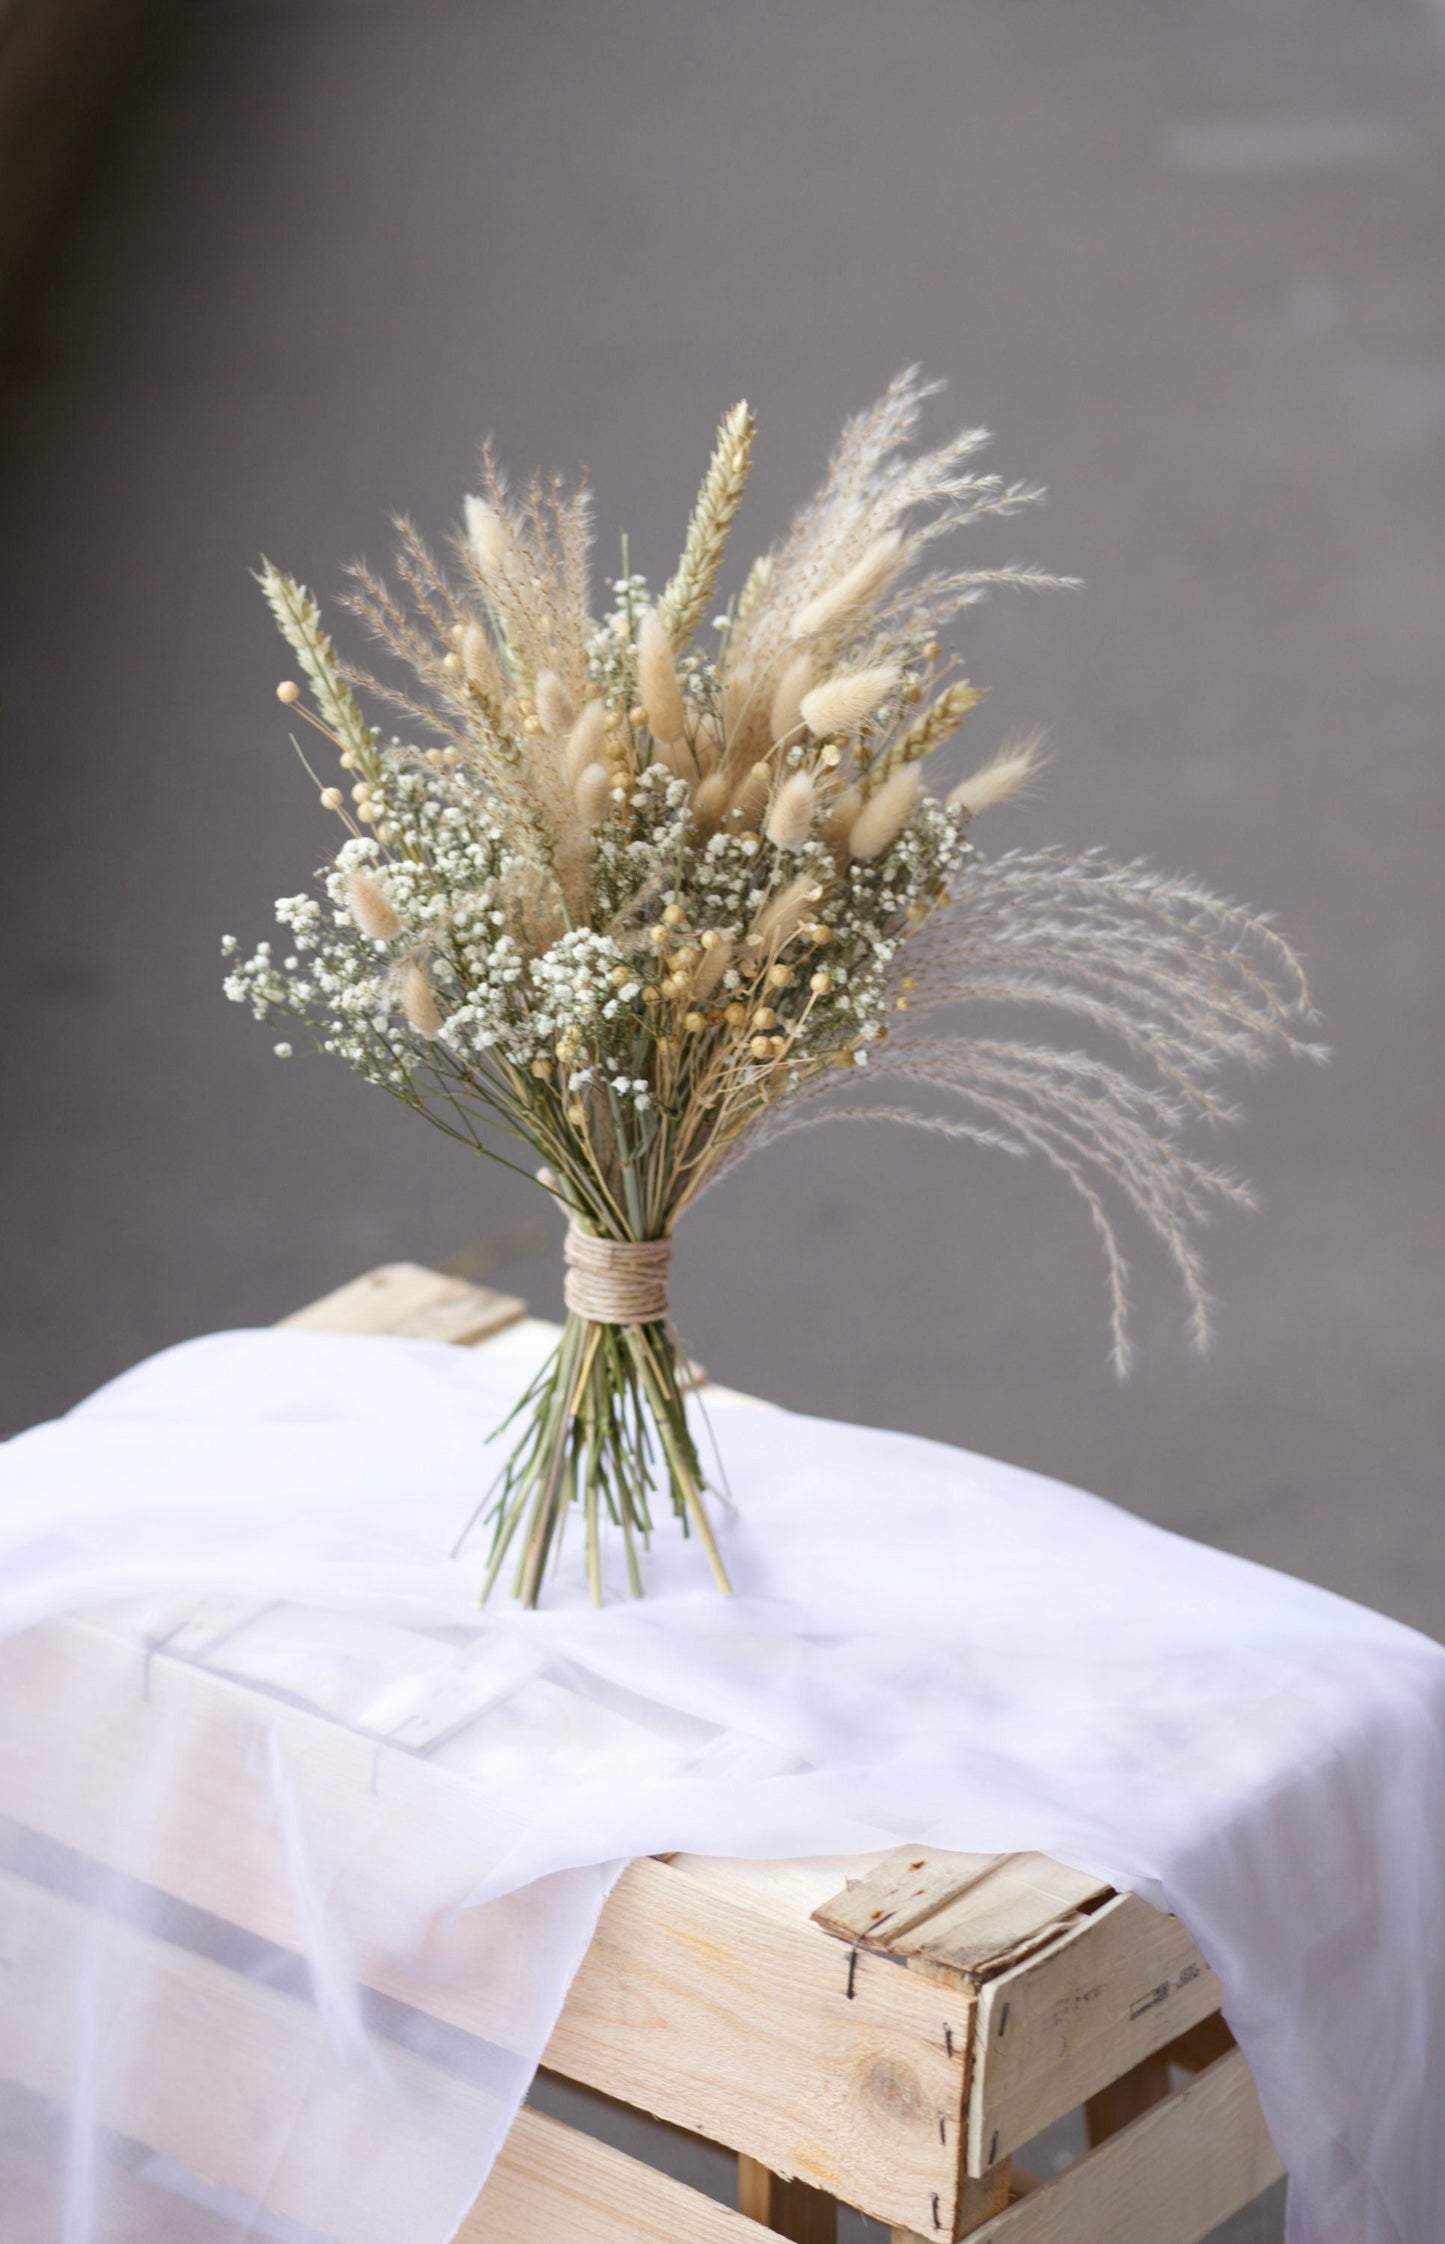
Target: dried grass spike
x: 786, y: 713
x: 657, y: 680
x: 686, y: 597
x: 586, y: 739
x: 844, y: 701
x: 418, y: 1001
x: 371, y: 908
x: 884, y: 815
x: 1007, y: 774
x: 854, y: 591
x: 553, y: 703
x: 790, y: 821
x: 593, y: 789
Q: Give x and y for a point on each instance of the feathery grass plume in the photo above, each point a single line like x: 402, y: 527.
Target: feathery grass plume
x: 554, y: 703
x: 751, y: 800
x: 780, y: 919
x: 885, y: 814
x: 642, y: 951
x: 593, y: 788
x: 298, y: 618
x: 841, y: 814
x: 657, y: 680
x: 841, y: 703
x: 418, y: 1001
x: 586, y: 740
x: 479, y: 664
x: 856, y: 590
x: 937, y: 724
x: 790, y: 820
x: 684, y: 603
x: 1005, y: 775
x: 786, y: 712
x: 714, y: 964
x: 710, y: 801
x: 371, y: 908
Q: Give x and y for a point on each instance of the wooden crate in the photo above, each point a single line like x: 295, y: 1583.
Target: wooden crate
x: 886, y: 2034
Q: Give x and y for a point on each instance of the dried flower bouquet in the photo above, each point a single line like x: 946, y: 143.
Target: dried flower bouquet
x: 647, y: 896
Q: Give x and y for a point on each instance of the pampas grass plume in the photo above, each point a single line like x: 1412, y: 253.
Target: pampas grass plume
x: 844, y: 701
x: 885, y: 814
x: 790, y: 821
x: 853, y: 590
x: 418, y: 1003
x: 553, y: 702
x: 371, y: 908
x: 593, y: 790
x: 584, y: 741
x: 657, y: 683
x: 1004, y: 775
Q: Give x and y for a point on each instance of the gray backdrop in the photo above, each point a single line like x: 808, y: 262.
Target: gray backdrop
x: 1183, y: 257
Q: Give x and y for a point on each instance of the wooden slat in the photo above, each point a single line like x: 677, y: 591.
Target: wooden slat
x: 839, y: 2070
x: 1067, y: 2021
x: 789, y: 2208
x: 235, y: 2127
x: 405, y: 1299
x: 1173, y: 2175
x: 554, y: 2186
x: 972, y: 1913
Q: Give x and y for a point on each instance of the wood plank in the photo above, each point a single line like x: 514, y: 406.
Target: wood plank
x: 1060, y: 2026
x: 972, y: 1913
x: 554, y: 2186
x: 723, y: 2019
x: 837, y: 2070
x: 234, y: 2126
x: 412, y: 1302
x: 1177, y: 2173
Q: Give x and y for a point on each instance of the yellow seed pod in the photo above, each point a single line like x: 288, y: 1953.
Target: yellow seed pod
x: 288, y: 693
x: 541, y: 1068
x: 760, y: 1048
x: 764, y: 1017
x: 332, y: 798
x: 576, y: 1114
x: 657, y: 936
x: 735, y: 1015
x: 649, y: 995
x: 692, y: 1022
x: 673, y: 986
x: 779, y: 1046
x: 674, y: 916
x: 709, y: 938
x: 778, y: 977
x: 820, y: 983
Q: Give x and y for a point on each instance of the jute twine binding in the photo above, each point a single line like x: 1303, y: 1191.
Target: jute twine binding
x: 616, y: 1281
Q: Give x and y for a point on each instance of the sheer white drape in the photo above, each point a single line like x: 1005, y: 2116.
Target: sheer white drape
x: 384, y: 1823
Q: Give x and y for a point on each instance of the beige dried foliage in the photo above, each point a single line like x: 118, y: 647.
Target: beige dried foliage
x: 796, y: 679
x: 418, y: 1001
x: 710, y: 802
x: 586, y: 739
x: 856, y: 590
x: 885, y: 814
x: 593, y: 789
x: 1004, y: 776
x: 842, y: 811
x: 711, y: 969
x: 685, y: 600
x: 844, y: 701
x: 657, y: 680
x: 479, y: 662
x: 751, y: 799
x: 371, y: 908
x: 553, y: 702
x: 781, y: 917
x: 790, y: 819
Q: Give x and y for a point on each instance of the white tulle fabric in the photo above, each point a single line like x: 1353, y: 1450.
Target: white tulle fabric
x: 925, y: 1645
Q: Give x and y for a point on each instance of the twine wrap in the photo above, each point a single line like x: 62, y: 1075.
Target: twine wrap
x: 616, y: 1281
